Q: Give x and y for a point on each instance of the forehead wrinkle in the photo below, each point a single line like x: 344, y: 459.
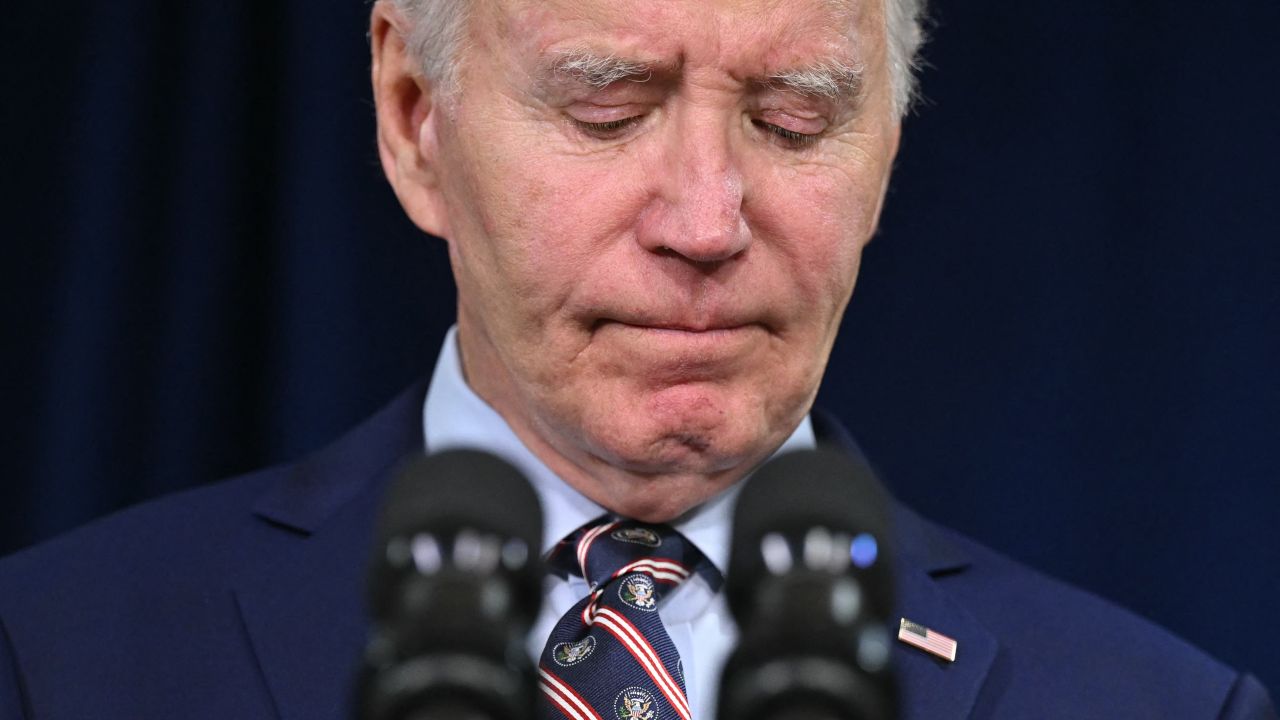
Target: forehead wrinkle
x: 838, y: 74
x: 830, y: 64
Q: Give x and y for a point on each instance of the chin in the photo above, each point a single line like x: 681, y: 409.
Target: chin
x: 673, y: 450
x: 696, y: 429
x: 664, y: 479
x: 681, y: 455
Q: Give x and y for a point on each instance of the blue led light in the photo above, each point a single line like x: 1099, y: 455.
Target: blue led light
x: 864, y: 550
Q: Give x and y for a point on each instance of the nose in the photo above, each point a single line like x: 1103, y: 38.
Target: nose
x: 697, y: 214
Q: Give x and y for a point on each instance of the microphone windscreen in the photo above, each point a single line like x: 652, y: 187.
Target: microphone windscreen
x: 454, y: 585
x: 458, y: 489
x: 446, y: 496
x: 797, y: 492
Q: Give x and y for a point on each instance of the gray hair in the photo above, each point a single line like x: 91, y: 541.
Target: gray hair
x: 438, y: 29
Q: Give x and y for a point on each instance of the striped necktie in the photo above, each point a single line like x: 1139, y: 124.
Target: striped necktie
x: 610, y: 656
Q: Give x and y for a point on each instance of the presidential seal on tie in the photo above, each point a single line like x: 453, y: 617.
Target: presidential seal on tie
x: 635, y: 704
x: 639, y: 592
x: 568, y: 654
x: 638, y: 535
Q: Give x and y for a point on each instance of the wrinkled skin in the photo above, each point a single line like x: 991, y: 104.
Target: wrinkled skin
x: 650, y: 274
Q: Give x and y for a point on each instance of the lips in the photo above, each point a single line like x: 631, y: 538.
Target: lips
x: 674, y: 322
x: 688, y: 342
x: 687, y: 327
x: 662, y: 353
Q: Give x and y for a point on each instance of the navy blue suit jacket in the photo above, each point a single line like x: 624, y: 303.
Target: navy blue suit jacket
x: 245, y: 600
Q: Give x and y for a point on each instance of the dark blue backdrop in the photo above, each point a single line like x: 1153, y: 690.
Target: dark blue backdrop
x: 1065, y: 341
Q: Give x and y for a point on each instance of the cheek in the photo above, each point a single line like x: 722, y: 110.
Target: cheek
x: 846, y: 222
x: 564, y: 215
x: 539, y: 225
x: 819, y: 219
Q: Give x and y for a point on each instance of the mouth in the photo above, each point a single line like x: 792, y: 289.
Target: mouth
x: 718, y: 323
x: 682, y: 333
x: 687, y: 329
x: 687, y: 343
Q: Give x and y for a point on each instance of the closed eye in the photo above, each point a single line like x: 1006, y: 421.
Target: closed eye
x: 608, y: 130
x: 613, y: 129
x: 788, y: 138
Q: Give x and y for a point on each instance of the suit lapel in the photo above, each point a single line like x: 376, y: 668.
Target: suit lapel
x: 302, y: 601
x: 305, y: 616
x: 934, y: 689
x: 931, y: 689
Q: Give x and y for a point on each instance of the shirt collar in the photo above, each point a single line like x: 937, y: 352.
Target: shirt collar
x: 454, y: 416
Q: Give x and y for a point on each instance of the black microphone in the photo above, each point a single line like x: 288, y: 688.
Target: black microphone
x: 810, y: 587
x: 455, y: 583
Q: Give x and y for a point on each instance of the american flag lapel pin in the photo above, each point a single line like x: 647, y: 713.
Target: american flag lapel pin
x: 930, y: 641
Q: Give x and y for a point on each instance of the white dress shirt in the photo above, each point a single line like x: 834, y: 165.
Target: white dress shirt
x: 697, y: 618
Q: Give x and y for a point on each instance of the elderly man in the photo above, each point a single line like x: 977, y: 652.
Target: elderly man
x: 654, y: 213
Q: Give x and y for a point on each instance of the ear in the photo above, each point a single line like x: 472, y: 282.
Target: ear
x: 407, y: 115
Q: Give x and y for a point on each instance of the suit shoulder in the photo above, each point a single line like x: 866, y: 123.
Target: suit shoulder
x: 188, y: 539
x: 135, y: 614
x: 1036, y: 608
x: 1059, y: 640
x: 174, y: 535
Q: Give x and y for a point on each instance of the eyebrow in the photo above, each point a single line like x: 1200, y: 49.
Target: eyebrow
x: 599, y: 71
x: 831, y: 79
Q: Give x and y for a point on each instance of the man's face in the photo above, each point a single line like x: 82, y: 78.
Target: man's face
x: 655, y: 213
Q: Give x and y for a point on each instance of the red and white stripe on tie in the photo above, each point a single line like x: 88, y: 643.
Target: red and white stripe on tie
x: 565, y: 697
x: 585, y: 544
x: 667, y: 571
x: 661, y: 570
x: 633, y: 639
